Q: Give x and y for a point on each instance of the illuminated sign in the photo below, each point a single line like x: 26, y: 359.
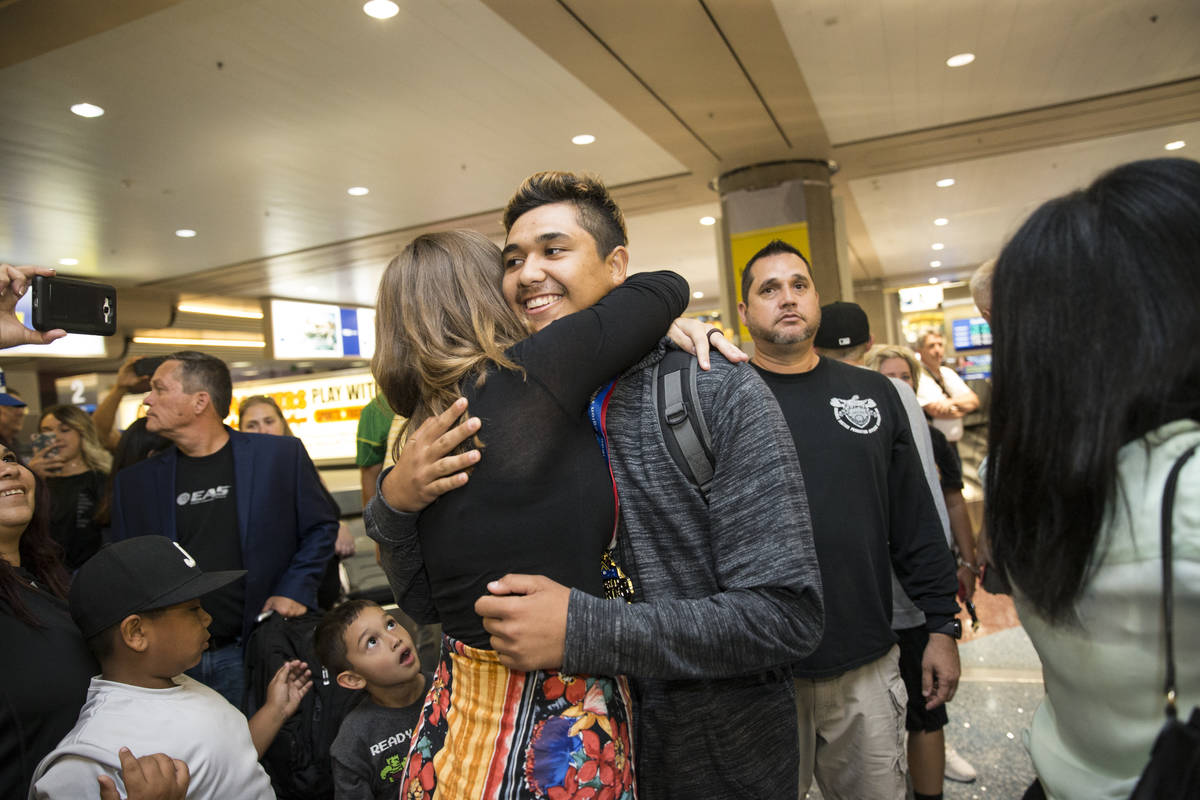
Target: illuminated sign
x: 322, y: 410
x: 317, y: 330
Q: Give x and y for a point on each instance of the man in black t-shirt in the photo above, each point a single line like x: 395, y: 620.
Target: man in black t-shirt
x: 234, y: 501
x: 872, y: 511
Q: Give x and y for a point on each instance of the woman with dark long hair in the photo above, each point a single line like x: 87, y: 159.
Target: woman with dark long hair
x: 1096, y: 318
x: 540, y: 501
x: 46, y: 667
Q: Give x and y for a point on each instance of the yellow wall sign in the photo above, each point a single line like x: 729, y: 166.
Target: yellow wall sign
x: 743, y: 246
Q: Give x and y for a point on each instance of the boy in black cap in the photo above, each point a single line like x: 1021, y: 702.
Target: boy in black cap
x: 137, y: 604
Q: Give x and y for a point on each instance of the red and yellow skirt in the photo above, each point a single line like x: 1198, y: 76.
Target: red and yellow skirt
x: 489, y: 732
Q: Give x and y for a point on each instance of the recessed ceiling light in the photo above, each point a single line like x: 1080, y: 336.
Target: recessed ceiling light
x: 938, y: 246
x: 708, y: 220
x: 583, y: 138
x: 381, y: 9
x: 933, y: 280
x: 944, y: 182
x: 1175, y: 145
x: 185, y: 233
x: 357, y: 191
x: 935, y: 264
x: 941, y: 221
x: 87, y: 110
x: 960, y: 60
x: 698, y: 295
x: 68, y: 262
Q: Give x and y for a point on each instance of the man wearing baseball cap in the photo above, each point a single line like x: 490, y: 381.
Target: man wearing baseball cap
x: 137, y: 603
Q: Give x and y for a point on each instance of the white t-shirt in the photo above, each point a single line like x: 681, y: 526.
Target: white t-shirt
x: 928, y: 392
x: 190, y: 722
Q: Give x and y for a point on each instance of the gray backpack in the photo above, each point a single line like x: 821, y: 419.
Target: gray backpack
x: 681, y: 417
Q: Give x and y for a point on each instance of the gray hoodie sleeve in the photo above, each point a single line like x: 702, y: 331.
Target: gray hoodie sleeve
x: 400, y: 554
x: 731, y: 587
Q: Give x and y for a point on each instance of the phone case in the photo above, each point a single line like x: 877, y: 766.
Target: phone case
x: 73, y: 305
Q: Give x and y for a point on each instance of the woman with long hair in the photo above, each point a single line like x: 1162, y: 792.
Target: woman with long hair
x: 75, y: 466
x: 539, y: 501
x: 1096, y: 372
x: 259, y: 413
x: 46, y: 667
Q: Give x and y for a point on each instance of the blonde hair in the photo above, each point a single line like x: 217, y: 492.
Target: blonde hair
x: 440, y: 321
x: 879, y: 355
x: 263, y: 400
x: 981, y: 285
x: 94, y: 454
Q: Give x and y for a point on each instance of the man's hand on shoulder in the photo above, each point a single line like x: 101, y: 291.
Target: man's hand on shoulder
x: 526, y: 616
x: 698, y: 338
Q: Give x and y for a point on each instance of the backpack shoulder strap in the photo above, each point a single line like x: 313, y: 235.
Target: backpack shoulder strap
x: 681, y: 417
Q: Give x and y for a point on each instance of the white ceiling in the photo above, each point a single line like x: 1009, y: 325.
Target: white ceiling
x: 991, y: 197
x: 878, y: 67
x: 442, y: 110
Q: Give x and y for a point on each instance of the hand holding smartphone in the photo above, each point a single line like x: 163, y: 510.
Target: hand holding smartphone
x: 14, y: 281
x: 74, y: 306
x: 45, y: 459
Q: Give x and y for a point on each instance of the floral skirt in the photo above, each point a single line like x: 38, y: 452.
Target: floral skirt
x: 489, y: 732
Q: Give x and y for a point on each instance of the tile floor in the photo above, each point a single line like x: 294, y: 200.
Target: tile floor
x: 1000, y: 688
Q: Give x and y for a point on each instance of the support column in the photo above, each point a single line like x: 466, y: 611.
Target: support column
x: 788, y: 200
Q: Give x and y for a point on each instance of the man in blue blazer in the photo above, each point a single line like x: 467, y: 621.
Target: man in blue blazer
x: 233, y: 501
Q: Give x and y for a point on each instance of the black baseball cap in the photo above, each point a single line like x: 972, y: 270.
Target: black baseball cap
x: 138, y: 574
x: 842, y: 325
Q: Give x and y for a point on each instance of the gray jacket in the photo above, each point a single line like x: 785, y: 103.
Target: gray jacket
x: 728, y: 592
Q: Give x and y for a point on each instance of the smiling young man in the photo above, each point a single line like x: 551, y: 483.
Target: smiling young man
x: 871, y: 509
x: 235, y: 500
x: 726, y: 588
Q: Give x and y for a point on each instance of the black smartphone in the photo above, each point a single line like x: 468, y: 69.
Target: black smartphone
x: 75, y: 306
x: 146, y: 365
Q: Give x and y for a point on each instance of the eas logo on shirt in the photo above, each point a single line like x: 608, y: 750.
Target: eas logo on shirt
x: 203, y: 495
x: 855, y: 415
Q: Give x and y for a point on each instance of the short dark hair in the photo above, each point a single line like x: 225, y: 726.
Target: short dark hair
x: 104, y: 643
x: 330, y: 638
x: 774, y: 247
x: 201, y: 372
x: 598, y: 213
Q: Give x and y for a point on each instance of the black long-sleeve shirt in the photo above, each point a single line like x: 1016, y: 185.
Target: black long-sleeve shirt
x: 871, y: 510
x: 540, y: 501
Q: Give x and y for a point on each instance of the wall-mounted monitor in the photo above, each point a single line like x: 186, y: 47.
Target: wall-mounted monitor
x: 318, y: 330
x: 920, y: 298
x: 975, y: 367
x: 972, y: 333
